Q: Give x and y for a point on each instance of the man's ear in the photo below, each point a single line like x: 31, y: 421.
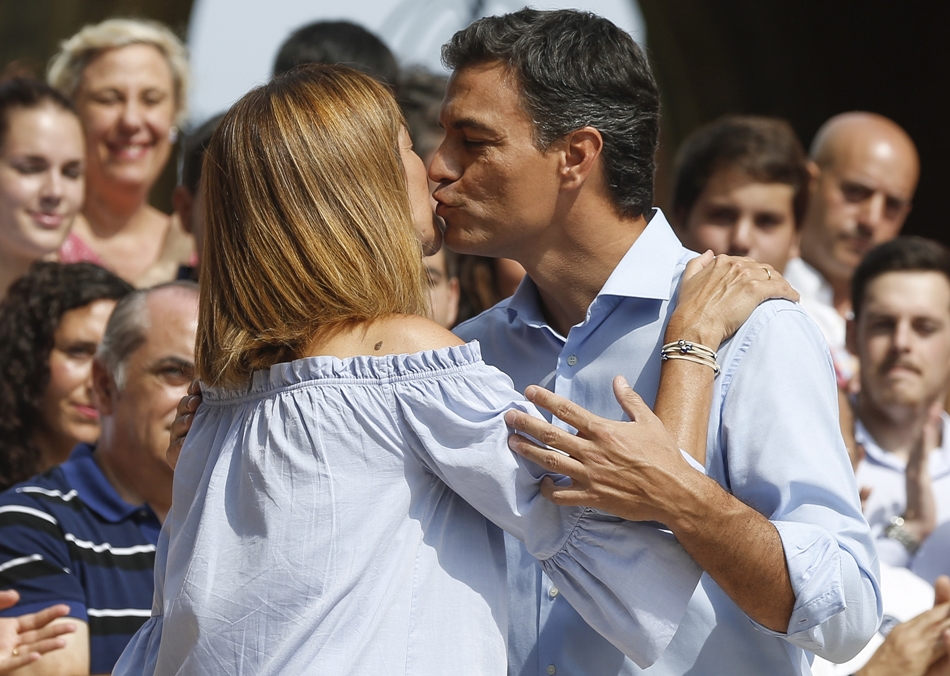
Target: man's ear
x: 814, y: 173
x: 103, y: 388
x: 795, y: 248
x: 582, y: 149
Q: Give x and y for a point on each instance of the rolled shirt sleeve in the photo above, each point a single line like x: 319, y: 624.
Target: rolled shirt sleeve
x: 785, y: 457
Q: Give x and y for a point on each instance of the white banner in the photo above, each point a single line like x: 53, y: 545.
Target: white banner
x: 233, y: 42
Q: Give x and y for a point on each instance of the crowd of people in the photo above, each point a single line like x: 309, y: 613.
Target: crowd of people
x: 582, y: 437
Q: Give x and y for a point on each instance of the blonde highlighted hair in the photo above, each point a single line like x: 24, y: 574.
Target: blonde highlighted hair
x: 308, y: 221
x: 66, y: 67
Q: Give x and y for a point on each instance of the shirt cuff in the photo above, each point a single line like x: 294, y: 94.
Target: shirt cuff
x: 815, y: 573
x: 693, y: 462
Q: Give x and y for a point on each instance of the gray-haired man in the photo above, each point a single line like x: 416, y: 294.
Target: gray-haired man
x: 84, y: 533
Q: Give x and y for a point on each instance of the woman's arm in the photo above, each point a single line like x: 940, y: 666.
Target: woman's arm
x: 717, y: 294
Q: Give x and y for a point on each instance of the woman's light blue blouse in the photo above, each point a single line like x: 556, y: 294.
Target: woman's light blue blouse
x: 332, y: 520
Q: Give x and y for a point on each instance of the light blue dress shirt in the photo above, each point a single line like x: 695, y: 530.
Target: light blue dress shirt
x: 324, y: 522
x: 773, y: 442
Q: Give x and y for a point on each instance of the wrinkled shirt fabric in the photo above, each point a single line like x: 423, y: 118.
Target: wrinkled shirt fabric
x: 773, y: 442
x: 329, y: 520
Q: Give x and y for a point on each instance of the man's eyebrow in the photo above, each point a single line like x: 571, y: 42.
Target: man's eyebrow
x: 164, y: 362
x: 473, y: 124
x: 867, y: 185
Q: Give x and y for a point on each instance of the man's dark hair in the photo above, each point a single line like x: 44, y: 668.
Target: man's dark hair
x: 193, y: 153
x: 763, y: 148
x: 338, y: 42
x: 29, y: 316
x: 576, y: 69
x: 904, y: 254
x: 420, y: 97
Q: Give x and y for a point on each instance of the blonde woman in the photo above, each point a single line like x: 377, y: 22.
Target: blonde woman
x: 337, y: 508
x: 128, y: 79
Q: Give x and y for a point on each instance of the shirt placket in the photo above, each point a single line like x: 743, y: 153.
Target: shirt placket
x: 553, y: 610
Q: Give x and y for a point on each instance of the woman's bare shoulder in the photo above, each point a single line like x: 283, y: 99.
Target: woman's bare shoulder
x: 393, y: 334
x: 414, y: 334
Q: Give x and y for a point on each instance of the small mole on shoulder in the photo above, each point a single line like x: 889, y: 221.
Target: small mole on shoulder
x: 378, y: 345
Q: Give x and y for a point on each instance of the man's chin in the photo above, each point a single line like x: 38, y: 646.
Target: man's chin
x: 849, y: 255
x: 901, y: 395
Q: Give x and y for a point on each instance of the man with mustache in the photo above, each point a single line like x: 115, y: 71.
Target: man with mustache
x: 864, y: 170
x: 901, y: 334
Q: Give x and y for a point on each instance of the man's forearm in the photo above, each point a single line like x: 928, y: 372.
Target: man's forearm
x: 738, y: 547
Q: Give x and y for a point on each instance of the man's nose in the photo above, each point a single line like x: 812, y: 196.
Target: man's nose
x: 872, y: 212
x: 740, y: 240
x: 902, y: 336
x: 442, y: 169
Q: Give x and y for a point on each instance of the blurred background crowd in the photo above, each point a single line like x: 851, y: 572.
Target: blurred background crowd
x: 100, y: 168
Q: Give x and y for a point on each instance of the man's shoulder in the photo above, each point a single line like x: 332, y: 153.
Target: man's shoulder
x: 775, y: 311
x: 778, y: 329
x: 492, y: 320
x: 41, y: 509
x: 49, y: 503
x: 42, y: 491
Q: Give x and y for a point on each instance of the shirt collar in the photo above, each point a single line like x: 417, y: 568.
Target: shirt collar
x: 83, y: 474
x: 644, y: 271
x: 808, y: 281
x: 938, y: 461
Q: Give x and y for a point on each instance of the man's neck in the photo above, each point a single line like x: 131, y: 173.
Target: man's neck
x: 896, y: 429
x: 571, y: 271
x: 840, y: 288
x: 841, y: 297
x: 133, y: 481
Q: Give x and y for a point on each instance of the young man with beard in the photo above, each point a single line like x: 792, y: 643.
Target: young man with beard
x: 901, y: 334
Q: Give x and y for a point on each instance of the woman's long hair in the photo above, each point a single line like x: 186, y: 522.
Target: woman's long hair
x: 308, y: 223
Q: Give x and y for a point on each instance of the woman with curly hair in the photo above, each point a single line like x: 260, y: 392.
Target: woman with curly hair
x: 50, y: 325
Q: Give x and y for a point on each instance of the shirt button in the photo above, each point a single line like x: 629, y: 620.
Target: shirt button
x: 553, y: 592
x: 570, y: 362
x: 552, y: 669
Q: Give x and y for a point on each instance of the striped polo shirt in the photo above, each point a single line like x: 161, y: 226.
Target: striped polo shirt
x: 67, y: 537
